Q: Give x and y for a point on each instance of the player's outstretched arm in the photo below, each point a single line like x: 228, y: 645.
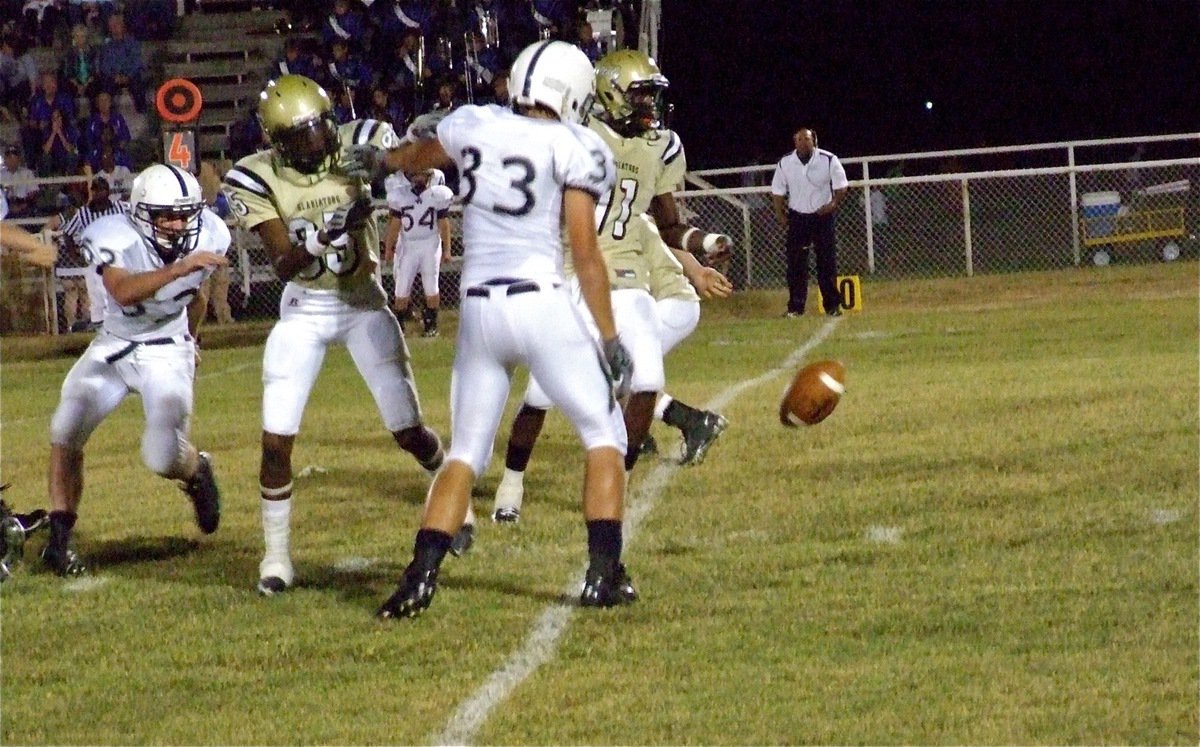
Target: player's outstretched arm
x: 31, y: 249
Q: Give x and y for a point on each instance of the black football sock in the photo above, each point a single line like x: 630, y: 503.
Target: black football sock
x: 61, y: 524
x: 604, y: 544
x: 430, y: 549
x: 430, y: 316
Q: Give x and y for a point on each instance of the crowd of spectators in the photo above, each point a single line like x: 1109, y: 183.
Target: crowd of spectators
x: 60, y: 115
x: 395, y: 59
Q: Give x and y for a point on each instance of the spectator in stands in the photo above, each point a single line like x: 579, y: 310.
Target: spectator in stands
x: 343, y: 23
x: 245, y: 136
x: 120, y: 63
x: 585, y: 39
x: 296, y: 60
x: 544, y: 19
x: 404, y: 76
x: 346, y: 70
x: 106, y: 128
x: 156, y: 19
x: 60, y: 151
x: 22, y: 198
x: 118, y: 175
x: 78, y: 66
x: 48, y: 100
x: 93, y: 13
x: 384, y: 109
x: 41, y: 18
x: 482, y: 65
x: 447, y: 97
x: 500, y: 88
x: 18, y: 74
x: 397, y: 17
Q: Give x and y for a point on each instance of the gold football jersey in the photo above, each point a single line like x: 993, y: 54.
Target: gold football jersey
x: 647, y: 165
x: 260, y: 188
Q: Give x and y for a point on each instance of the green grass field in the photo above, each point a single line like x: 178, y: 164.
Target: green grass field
x: 993, y: 540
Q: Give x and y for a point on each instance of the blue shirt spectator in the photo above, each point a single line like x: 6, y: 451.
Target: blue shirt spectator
x: 296, y: 60
x: 120, y: 64
x: 343, y: 23
x: 78, y: 66
x: 106, y: 128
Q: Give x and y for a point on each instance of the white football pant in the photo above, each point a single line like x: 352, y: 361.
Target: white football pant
x: 412, y: 259
x: 543, y: 331
x: 162, y: 374
x: 309, y: 322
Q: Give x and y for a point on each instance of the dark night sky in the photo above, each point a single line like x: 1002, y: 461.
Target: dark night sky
x: 745, y: 74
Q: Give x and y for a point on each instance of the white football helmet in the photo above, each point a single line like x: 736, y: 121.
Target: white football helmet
x: 167, y: 193
x: 556, y: 75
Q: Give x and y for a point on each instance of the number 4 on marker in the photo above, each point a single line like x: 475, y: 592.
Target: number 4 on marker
x: 180, y: 153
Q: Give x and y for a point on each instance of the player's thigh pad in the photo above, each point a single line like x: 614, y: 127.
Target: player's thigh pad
x: 485, y: 353
x: 167, y: 373
x: 404, y: 272
x: 379, y: 352
x: 431, y: 269
x: 678, y: 318
x: 292, y: 359
x: 562, y: 356
x: 93, y: 388
x: 636, y: 316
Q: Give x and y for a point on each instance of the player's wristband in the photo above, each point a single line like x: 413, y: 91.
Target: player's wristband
x: 711, y: 239
x: 313, y: 245
x: 683, y: 240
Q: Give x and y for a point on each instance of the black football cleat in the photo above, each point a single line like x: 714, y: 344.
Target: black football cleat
x: 506, y: 515
x: 413, y: 595
x: 649, y: 446
x: 699, y: 436
x: 206, y: 497
x: 607, y: 590
x: 464, y: 538
x: 63, y: 561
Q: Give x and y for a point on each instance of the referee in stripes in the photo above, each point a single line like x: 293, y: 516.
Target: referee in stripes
x: 99, y: 206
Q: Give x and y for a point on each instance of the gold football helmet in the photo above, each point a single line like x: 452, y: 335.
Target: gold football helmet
x: 631, y: 91
x: 297, y: 117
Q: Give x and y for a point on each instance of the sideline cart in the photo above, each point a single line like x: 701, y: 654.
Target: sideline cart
x: 1155, y: 213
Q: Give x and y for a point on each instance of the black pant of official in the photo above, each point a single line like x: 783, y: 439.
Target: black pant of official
x: 805, y: 229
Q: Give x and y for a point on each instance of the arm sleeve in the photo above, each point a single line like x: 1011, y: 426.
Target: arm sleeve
x: 778, y: 182
x: 837, y: 174
x: 249, y: 196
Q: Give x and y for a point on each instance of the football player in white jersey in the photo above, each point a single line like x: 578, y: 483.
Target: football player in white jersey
x: 526, y: 173
x: 318, y: 228
x: 418, y: 239
x: 651, y: 163
x: 153, y: 263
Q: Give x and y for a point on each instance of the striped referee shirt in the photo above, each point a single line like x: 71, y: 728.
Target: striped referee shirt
x: 87, y: 214
x: 808, y: 186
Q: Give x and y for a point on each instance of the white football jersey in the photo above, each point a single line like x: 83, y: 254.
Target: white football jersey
x: 512, y: 172
x: 113, y: 240
x: 3, y: 205
x: 418, y: 213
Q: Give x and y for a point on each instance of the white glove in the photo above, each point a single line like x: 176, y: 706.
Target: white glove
x: 441, y: 196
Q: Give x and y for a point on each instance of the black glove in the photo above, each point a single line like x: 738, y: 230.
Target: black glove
x: 364, y: 162
x: 618, y: 366
x: 350, y: 216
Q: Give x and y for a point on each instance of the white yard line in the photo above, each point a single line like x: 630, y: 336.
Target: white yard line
x: 542, y: 642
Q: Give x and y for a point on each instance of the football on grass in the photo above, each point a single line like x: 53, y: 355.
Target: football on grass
x: 813, y: 393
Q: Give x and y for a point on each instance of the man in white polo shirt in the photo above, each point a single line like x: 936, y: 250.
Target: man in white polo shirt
x: 808, y: 186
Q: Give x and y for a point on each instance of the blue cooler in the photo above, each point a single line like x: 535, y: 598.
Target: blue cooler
x: 1099, y: 210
